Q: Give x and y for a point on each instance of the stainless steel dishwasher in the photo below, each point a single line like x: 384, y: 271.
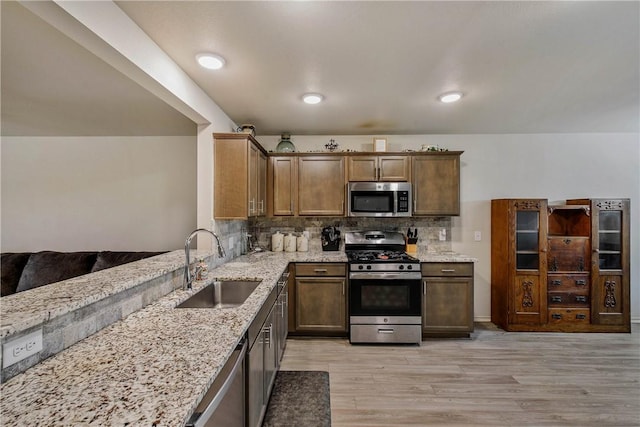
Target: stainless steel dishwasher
x: 223, y: 404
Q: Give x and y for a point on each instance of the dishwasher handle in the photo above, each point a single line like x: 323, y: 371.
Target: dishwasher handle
x: 199, y: 419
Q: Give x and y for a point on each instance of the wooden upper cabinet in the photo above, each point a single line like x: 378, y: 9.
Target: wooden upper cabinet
x: 239, y: 176
x: 321, y: 185
x: 282, y: 185
x: 436, y: 183
x: 378, y: 168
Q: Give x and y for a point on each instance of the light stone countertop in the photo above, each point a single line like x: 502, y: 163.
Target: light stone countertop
x: 153, y: 367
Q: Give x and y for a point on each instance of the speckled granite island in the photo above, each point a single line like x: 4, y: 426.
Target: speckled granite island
x: 153, y: 367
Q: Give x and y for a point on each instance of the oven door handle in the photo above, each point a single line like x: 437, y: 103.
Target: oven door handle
x: 385, y: 276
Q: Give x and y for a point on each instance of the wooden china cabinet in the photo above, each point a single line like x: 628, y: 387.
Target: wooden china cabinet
x: 561, y: 267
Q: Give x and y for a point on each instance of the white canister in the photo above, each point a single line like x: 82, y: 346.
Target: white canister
x: 302, y: 243
x: 277, y: 243
x: 289, y: 243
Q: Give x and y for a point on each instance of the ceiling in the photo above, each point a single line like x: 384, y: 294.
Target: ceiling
x: 524, y: 67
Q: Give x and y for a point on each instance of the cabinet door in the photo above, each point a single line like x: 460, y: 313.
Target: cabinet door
x: 321, y: 304
x: 528, y: 302
x: 231, y: 174
x: 610, y: 303
x: 436, y: 184
x: 284, y: 185
x: 447, y: 305
x: 252, y: 179
x: 270, y: 351
x: 394, y: 168
x: 321, y: 185
x: 255, y: 382
x: 262, y: 184
x: 362, y: 168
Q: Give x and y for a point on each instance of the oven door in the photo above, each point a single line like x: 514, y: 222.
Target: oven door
x: 384, y: 294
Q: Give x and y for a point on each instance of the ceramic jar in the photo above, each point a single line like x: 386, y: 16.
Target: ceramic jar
x: 277, y: 242
x: 302, y: 243
x: 289, y: 243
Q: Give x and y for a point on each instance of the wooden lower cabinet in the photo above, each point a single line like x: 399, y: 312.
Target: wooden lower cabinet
x: 447, y: 299
x: 320, y: 299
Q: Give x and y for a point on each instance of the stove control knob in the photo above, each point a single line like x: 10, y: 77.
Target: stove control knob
x: 401, y: 267
x: 368, y: 267
x: 409, y: 267
x: 360, y: 267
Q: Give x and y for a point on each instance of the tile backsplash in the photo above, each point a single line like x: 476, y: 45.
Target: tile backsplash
x: 429, y: 229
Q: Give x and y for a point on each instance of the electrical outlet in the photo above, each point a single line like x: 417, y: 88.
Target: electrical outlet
x: 477, y: 236
x: 21, y: 348
x: 231, y: 243
x: 442, y: 235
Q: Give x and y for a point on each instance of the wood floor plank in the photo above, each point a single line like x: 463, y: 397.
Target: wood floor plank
x: 496, y: 378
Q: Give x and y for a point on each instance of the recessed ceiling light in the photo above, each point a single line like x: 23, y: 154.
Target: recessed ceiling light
x: 312, y: 98
x: 450, y: 97
x: 210, y: 60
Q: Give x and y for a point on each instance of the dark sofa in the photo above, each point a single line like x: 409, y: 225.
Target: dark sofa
x: 28, y: 270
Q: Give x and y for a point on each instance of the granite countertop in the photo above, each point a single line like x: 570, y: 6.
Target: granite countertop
x: 153, y: 367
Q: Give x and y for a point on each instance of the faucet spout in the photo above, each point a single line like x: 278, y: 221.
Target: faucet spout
x: 188, y: 278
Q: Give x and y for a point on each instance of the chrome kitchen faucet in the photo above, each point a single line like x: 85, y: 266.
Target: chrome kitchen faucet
x: 188, y: 279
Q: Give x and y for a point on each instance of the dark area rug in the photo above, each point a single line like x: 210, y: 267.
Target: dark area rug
x: 299, y: 399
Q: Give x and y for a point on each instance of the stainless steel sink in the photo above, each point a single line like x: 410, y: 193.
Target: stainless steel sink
x: 224, y: 294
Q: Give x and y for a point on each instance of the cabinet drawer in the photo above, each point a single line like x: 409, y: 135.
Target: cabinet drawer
x: 568, y: 282
x: 568, y: 299
x: 440, y: 269
x: 569, y: 315
x: 321, y: 269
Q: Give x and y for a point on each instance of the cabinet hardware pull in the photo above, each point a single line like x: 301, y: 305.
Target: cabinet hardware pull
x: 385, y: 331
x: 320, y: 270
x: 448, y: 270
x: 556, y: 299
x: 556, y: 282
x: 581, y: 298
x: 556, y: 316
x: 581, y: 282
x: 581, y: 316
x: 343, y: 283
x: 424, y: 288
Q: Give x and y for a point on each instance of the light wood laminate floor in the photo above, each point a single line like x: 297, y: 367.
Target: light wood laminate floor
x: 496, y: 378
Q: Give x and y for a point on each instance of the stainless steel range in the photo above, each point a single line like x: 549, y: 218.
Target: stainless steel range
x: 384, y: 289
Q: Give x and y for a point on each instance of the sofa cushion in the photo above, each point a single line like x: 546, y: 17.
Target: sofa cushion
x: 49, y: 267
x: 11, y: 266
x: 108, y: 259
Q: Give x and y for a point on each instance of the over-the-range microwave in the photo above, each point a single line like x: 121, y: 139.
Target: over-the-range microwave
x: 379, y: 199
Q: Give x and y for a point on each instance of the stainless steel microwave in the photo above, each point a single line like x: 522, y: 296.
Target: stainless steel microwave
x: 379, y: 199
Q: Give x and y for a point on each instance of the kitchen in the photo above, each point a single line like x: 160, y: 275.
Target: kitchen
x: 489, y: 170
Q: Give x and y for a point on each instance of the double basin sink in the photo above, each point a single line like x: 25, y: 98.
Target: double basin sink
x: 222, y: 294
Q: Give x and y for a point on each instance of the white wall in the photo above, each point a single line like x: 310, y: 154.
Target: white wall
x: 551, y: 166
x: 97, y: 193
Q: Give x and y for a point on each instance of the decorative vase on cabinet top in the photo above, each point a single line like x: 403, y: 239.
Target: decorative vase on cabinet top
x: 285, y: 145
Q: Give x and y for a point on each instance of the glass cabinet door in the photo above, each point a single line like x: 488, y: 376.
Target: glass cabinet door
x: 527, y: 240
x: 610, y: 240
